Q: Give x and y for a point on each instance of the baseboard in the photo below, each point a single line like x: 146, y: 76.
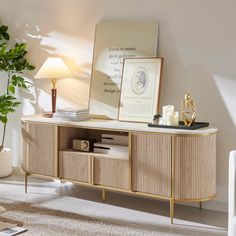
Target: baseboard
x: 17, y: 171
x: 214, y: 205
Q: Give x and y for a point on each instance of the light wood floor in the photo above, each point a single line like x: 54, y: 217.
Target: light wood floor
x: 119, y: 207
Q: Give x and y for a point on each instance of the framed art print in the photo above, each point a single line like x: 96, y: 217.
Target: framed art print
x: 115, y: 41
x: 140, y: 89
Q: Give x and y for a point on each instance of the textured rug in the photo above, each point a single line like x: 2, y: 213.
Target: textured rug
x: 47, y: 222
x: 2, y: 209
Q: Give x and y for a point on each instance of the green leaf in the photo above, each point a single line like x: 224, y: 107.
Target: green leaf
x: 30, y: 67
x: 3, y: 33
x: 11, y: 88
x: 6, y: 36
x: 15, y: 104
x: 11, y: 110
x: 3, y: 119
x: 3, y: 28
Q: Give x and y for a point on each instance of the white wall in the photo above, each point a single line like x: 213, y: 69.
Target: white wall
x: 197, y: 38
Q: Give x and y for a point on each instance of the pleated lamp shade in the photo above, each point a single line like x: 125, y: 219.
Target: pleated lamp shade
x: 53, y: 68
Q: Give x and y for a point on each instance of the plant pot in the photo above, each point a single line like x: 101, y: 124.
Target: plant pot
x: 5, y: 162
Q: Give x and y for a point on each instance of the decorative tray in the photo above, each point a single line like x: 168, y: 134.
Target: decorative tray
x: 195, y: 125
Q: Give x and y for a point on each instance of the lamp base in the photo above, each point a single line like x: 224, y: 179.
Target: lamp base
x: 54, y: 99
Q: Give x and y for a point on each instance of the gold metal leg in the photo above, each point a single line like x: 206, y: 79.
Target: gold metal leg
x: 103, y: 194
x: 172, y: 210
x: 26, y: 181
x: 200, y: 205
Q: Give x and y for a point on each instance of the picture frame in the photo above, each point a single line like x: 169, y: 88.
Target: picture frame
x: 140, y: 89
x: 114, y: 41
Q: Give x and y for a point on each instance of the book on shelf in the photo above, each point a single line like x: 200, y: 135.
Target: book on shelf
x: 116, y: 139
x: 111, y: 149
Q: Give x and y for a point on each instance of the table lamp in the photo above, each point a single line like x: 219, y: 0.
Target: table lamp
x: 53, y: 68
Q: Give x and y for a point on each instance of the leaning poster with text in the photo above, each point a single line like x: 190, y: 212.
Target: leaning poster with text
x: 115, y: 41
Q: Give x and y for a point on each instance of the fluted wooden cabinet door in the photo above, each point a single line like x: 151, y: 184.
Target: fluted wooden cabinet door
x: 40, y: 149
x: 112, y: 172
x: 151, y: 163
x: 74, y: 165
x: 195, y: 167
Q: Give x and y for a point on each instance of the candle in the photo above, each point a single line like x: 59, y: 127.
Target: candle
x: 167, y: 111
x: 172, y: 118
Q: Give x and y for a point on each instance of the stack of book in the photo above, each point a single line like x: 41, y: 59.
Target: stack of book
x: 116, y: 150
x: 113, y: 144
x: 71, y: 114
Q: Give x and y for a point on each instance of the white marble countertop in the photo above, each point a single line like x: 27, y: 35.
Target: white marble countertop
x: 114, y: 125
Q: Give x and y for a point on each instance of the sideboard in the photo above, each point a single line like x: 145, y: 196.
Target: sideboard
x: 169, y: 164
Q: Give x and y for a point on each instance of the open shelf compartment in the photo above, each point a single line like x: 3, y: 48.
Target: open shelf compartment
x: 68, y: 134
x: 105, y: 169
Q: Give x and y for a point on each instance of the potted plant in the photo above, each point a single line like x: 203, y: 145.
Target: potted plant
x: 13, y: 63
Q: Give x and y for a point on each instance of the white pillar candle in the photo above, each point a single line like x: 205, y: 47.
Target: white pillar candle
x: 167, y: 110
x: 175, y: 118
x: 172, y: 118
x: 169, y: 118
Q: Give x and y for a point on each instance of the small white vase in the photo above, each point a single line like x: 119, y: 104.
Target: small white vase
x: 5, y: 162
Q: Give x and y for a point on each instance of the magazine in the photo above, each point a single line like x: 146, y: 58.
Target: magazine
x: 10, y: 229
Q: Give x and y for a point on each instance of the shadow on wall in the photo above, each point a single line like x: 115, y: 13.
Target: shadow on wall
x: 71, y: 92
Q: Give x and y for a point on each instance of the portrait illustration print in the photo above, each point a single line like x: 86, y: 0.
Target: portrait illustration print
x: 139, y: 81
x: 140, y: 89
